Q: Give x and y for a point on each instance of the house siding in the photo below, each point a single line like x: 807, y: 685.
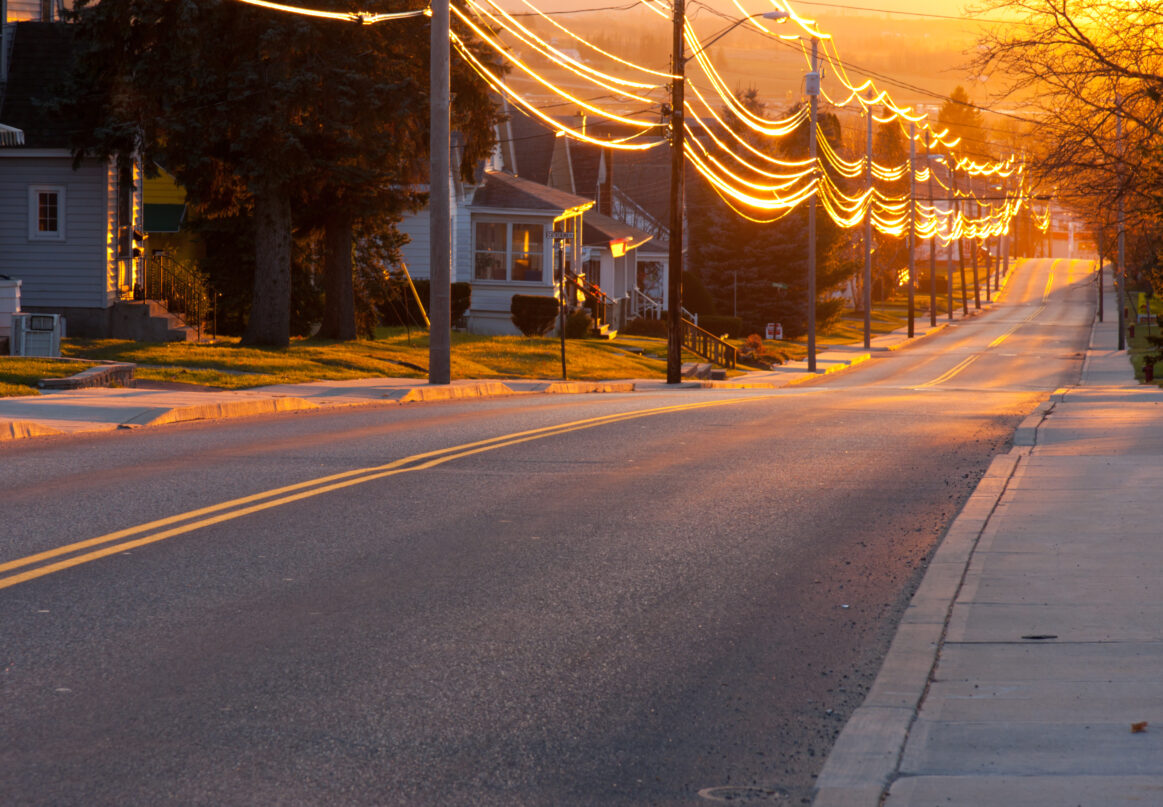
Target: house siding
x: 74, y: 272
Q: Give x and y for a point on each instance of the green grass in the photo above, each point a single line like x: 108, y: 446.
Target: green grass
x: 228, y: 365
x: 18, y: 375
x: 396, y: 353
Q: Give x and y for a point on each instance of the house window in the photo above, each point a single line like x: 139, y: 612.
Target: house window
x: 46, y: 213
x: 509, y: 251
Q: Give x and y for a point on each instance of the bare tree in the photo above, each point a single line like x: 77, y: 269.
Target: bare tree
x: 1088, y: 76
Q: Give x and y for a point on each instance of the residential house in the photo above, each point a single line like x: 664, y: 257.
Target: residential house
x: 503, y: 224
x: 71, y: 234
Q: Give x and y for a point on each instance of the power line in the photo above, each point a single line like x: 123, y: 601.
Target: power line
x: 909, y: 13
x: 627, y: 7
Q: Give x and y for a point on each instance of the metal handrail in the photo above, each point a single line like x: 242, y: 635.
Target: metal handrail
x: 707, y: 345
x: 182, y: 290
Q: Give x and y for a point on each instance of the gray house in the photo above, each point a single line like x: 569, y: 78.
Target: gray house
x: 71, y: 236
x: 502, y: 232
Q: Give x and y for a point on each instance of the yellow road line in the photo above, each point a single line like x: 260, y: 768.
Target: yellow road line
x: 941, y: 379
x: 1050, y: 279
x: 246, y: 505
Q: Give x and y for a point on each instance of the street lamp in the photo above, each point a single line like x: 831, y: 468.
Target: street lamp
x: 677, y: 177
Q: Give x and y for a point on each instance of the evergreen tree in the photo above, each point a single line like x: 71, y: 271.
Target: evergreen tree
x: 964, y: 120
x: 763, y: 265
x: 271, y: 115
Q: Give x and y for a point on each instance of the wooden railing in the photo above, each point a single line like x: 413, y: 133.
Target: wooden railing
x: 644, y: 305
x: 707, y: 345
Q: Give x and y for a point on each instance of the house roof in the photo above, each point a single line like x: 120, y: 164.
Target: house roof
x: 599, y: 230
x: 505, y: 191
x: 531, y: 145
x: 42, y: 57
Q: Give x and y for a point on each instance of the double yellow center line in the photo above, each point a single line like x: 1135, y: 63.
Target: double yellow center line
x: 87, y: 551
x: 946, y: 376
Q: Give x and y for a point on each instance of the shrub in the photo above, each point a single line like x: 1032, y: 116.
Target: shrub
x: 645, y: 326
x: 533, y: 314
x: 758, y: 352
x: 577, y: 324
x: 719, y: 325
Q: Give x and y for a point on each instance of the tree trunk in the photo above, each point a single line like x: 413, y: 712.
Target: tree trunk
x: 270, y: 311
x: 338, y: 288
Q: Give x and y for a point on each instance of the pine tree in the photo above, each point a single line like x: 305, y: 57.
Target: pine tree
x: 271, y: 115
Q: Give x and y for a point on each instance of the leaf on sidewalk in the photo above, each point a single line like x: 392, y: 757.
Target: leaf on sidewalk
x: 1138, y: 728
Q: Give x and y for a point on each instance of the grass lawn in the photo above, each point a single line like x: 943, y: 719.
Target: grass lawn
x: 395, y: 353
x: 18, y: 374
x: 228, y: 365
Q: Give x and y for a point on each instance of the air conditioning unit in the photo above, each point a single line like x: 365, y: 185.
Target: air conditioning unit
x: 37, y: 334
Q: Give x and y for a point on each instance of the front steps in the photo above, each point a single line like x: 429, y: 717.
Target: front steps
x: 148, y: 321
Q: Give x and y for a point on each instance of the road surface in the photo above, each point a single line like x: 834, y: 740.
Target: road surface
x: 665, y: 598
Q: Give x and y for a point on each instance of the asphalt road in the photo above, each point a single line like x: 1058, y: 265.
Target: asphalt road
x: 675, y: 607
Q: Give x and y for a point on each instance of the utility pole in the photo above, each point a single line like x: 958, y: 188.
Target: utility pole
x: 559, y: 239
x: 960, y: 244
x: 973, y: 245
x: 813, y: 88
x: 912, y: 226
x: 952, y: 222
x: 439, y: 203
x: 1101, y: 253
x: 868, y: 234
x: 677, y: 160
x: 1122, y: 274
x: 932, y: 241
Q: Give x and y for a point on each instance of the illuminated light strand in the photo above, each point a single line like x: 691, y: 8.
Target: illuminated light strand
x: 788, y: 125
x: 753, y: 186
x: 486, y: 38
x: 771, y: 128
x: 742, y: 214
x: 710, y: 110
x: 594, y: 47
x: 697, y: 142
x: 504, y: 89
x: 362, y: 17
x: 758, y: 202
x: 523, y: 34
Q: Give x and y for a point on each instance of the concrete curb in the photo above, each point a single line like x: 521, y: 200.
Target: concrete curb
x: 864, y: 761
x: 227, y: 409
x: 1027, y: 433
x: 838, y: 366
x: 481, y: 389
x: 20, y: 429
x: 105, y: 375
x: 584, y: 387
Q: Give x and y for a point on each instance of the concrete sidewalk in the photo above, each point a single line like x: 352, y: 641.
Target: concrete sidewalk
x: 1031, y: 656
x: 105, y: 409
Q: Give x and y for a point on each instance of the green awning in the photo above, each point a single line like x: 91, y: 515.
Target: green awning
x: 164, y: 218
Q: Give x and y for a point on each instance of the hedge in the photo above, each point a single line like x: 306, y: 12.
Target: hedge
x: 533, y: 314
